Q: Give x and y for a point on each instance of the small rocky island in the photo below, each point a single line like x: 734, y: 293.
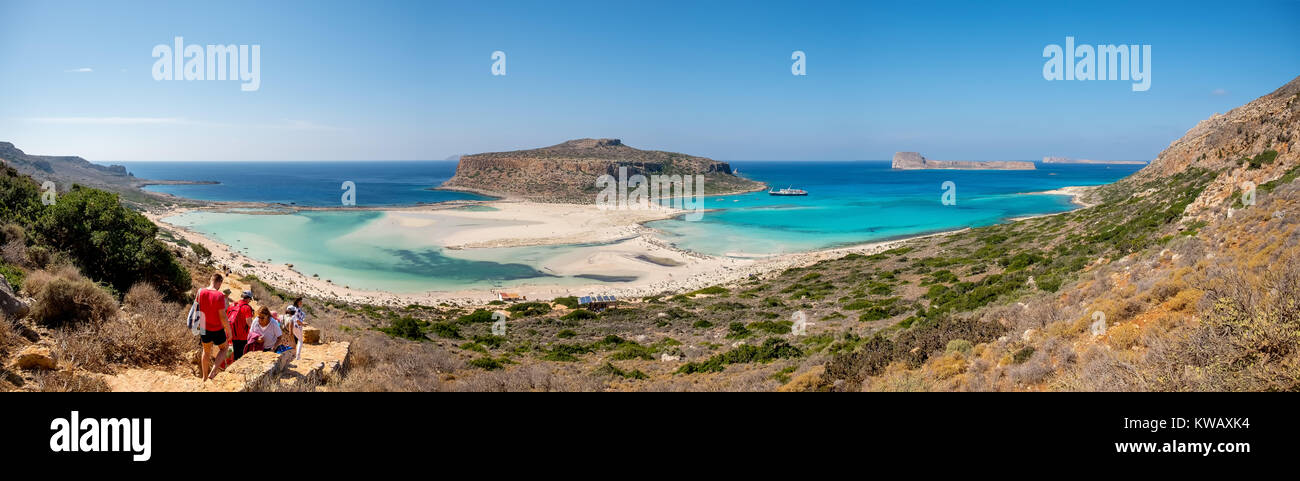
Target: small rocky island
x: 567, y: 172
x: 915, y: 161
x: 1066, y: 160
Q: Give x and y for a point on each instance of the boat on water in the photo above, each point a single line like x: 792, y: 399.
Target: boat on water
x: 787, y: 191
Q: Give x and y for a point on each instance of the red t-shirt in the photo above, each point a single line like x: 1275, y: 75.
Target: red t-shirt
x: 211, y: 302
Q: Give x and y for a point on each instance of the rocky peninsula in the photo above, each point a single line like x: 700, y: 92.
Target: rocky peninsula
x: 567, y: 172
x: 915, y: 161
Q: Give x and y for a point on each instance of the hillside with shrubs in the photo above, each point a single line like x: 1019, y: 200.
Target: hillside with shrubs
x: 1175, y: 279
x: 1181, y: 277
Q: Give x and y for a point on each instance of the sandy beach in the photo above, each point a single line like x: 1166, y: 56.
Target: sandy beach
x: 616, y: 244
x: 1077, y: 193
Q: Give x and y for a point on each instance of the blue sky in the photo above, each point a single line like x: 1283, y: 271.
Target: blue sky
x: 398, y: 81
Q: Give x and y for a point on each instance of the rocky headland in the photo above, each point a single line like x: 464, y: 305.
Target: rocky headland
x: 567, y: 172
x: 916, y: 161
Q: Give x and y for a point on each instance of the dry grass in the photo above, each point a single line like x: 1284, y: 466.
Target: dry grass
x: 150, y: 333
x: 381, y: 363
x: 65, y: 381
x: 66, y: 297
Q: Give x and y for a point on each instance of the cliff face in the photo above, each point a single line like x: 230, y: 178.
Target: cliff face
x: 915, y: 161
x: 50, y: 164
x: 1226, y: 143
x: 567, y: 172
x: 64, y: 170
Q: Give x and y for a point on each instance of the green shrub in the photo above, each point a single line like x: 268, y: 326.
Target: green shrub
x: 486, y: 363
x: 632, y: 350
x: 771, y: 349
x: 20, y: 198
x: 478, y: 316
x: 737, y: 330
x: 609, y: 369
x: 489, y: 340
x: 565, y: 352
x: 711, y: 290
x: 407, y: 327
x: 771, y: 327
x: 579, y: 315
x: 529, y: 309
x: 1022, y: 355
x: 960, y: 345
x: 569, y: 302
x: 12, y: 274
x: 111, y: 243
x: 445, y: 330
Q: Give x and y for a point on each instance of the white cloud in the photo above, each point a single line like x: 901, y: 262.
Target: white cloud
x: 80, y: 70
x: 1219, y: 92
x: 108, y: 120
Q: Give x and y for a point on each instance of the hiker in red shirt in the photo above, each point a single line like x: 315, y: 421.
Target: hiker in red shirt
x: 239, y: 317
x: 216, y: 328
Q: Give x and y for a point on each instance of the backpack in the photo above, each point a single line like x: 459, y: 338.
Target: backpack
x: 233, y: 316
x: 194, y: 321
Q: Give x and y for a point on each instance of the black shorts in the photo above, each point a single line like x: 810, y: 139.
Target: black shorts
x: 217, y: 337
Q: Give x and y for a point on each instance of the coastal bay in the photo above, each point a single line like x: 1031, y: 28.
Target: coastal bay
x: 464, y: 251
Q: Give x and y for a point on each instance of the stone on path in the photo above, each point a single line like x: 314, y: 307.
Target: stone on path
x: 34, y: 356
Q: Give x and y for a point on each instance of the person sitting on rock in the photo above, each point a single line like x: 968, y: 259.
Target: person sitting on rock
x: 267, y: 327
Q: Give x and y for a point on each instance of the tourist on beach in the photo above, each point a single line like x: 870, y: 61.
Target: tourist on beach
x: 239, y: 323
x: 216, y: 328
x: 267, y: 327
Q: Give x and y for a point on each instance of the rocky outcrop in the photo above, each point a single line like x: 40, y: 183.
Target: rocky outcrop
x: 1221, y: 143
x: 251, y: 372
x: 319, y: 364
x: 915, y: 161
x: 311, y: 335
x: 258, y: 371
x: 34, y: 356
x: 567, y: 172
x: 10, y: 305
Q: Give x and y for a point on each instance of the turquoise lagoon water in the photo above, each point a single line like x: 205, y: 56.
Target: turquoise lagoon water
x: 849, y: 202
x: 855, y: 202
x: 333, y: 245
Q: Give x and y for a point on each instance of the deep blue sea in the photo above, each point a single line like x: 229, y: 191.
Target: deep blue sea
x: 848, y: 203
x: 378, y: 183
